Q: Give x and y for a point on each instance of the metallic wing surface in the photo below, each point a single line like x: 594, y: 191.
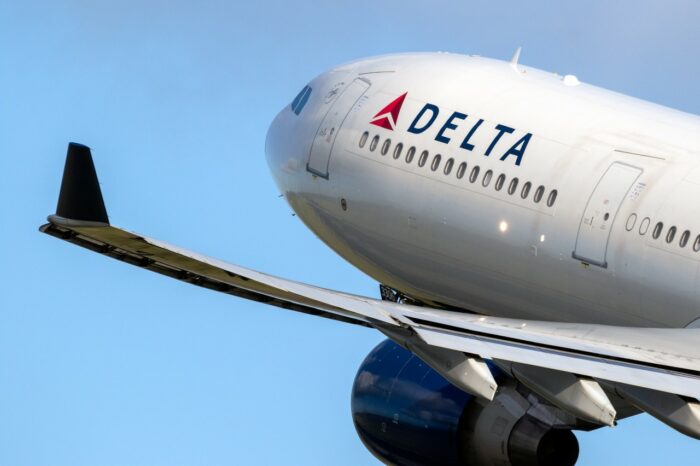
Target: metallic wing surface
x: 655, y: 361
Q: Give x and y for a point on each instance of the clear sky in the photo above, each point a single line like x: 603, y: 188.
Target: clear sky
x: 105, y: 364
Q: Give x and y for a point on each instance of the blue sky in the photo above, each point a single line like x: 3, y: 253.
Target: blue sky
x: 105, y: 364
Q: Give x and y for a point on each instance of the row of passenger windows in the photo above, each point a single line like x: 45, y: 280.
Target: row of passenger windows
x: 658, y: 230
x: 460, y: 171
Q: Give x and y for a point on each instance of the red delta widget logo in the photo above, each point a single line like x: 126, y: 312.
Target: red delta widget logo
x: 388, y: 116
x: 504, y: 140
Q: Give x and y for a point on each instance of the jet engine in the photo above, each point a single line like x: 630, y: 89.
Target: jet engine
x: 407, y: 414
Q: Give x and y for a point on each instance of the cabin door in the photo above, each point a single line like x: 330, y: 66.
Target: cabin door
x: 601, y: 211
x: 320, y: 154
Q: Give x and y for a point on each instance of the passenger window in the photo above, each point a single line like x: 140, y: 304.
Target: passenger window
x: 696, y: 244
x: 461, y: 169
x: 448, y: 166
x: 526, y: 190
x: 474, y: 174
x: 539, y: 192
x: 631, y: 221
x: 410, y: 153
x: 363, y: 139
x: 644, y: 226
x: 671, y: 234
x: 487, y: 178
x: 657, y: 230
x: 436, y: 162
x: 684, y: 238
x: 513, y: 186
x: 551, y: 198
x: 423, y: 158
x: 500, y: 181
x: 397, y: 151
x: 373, y: 144
x: 385, y: 146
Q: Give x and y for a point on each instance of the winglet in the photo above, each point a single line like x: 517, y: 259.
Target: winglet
x: 80, y: 198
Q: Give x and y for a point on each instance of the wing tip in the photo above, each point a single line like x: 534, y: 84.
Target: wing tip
x: 80, y: 198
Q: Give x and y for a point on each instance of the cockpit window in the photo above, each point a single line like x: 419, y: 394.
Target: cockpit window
x: 301, y: 99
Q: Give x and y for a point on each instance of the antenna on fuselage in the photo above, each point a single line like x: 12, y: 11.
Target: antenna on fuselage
x: 516, y: 57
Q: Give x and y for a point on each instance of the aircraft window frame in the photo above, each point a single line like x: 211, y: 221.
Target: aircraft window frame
x: 658, y: 229
x: 423, y: 158
x: 513, y: 185
x: 410, y: 153
x: 398, y: 148
x: 683, y: 241
x: 525, y: 191
x: 539, y: 192
x: 304, y: 99
x: 633, y: 219
x: 486, y: 180
x: 374, y: 143
x: 300, y: 100
x: 696, y: 244
x: 297, y: 98
x: 500, y: 181
x: 474, y: 175
x: 670, y: 234
x: 552, y: 197
x: 449, y: 163
x: 461, y: 170
x: 644, y: 225
x: 386, y: 145
x: 363, y: 139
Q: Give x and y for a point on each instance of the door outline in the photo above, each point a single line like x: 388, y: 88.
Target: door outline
x: 320, y: 167
x: 588, y: 260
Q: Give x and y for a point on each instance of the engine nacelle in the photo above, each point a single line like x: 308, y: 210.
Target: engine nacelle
x: 407, y: 414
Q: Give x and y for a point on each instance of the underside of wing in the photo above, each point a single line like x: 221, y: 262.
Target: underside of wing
x: 216, y: 275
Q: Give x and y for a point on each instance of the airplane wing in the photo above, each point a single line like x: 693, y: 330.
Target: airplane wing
x: 656, y: 370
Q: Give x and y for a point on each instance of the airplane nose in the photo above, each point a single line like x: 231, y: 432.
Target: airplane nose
x: 290, y: 136
x: 273, y: 141
x: 285, y: 148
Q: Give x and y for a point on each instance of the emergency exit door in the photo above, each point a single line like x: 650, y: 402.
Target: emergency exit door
x: 601, y: 210
x: 322, y: 147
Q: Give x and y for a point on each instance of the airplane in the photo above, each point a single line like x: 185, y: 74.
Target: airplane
x: 536, y: 241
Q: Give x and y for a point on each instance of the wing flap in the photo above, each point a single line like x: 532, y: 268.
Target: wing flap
x: 675, y: 349
x: 599, y: 367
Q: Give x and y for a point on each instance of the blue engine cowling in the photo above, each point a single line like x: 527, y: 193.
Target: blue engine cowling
x: 407, y: 414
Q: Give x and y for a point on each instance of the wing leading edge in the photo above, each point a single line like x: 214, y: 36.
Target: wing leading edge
x: 656, y: 360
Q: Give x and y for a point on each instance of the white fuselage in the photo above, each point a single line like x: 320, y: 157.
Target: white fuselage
x: 618, y: 166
